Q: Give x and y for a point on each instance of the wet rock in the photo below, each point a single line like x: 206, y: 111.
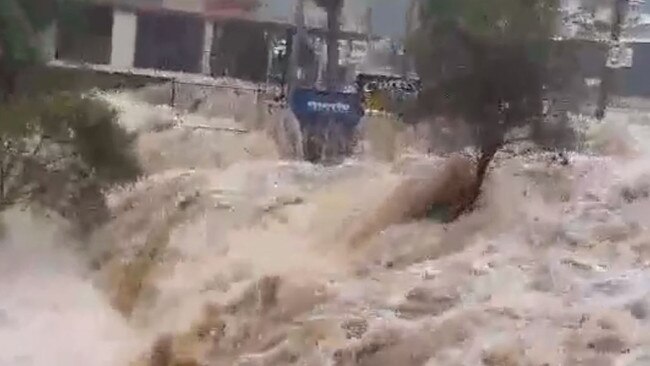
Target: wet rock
x: 260, y: 297
x: 268, y: 293
x: 282, y: 201
x: 211, y: 326
x: 639, y: 309
x: 355, y: 328
x: 611, y: 287
x: 632, y: 194
x: 422, y: 301
x: 162, y: 352
x: 581, y: 264
x: 614, y: 231
x: 186, y: 201
x: 503, y: 356
x: 361, y: 351
x: 185, y: 349
x: 609, y: 343
x: 560, y: 158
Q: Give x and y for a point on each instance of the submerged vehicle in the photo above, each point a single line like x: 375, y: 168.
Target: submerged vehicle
x: 387, y: 92
x: 328, y: 121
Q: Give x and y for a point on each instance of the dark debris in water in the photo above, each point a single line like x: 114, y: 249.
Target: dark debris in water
x: 632, y: 194
x: 355, y: 328
x: 611, y: 287
x: 609, y: 343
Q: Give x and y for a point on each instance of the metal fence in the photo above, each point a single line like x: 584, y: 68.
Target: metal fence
x: 243, y: 102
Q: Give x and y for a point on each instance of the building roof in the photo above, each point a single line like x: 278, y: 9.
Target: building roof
x: 265, y: 11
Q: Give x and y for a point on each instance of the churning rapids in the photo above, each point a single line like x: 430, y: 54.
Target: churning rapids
x: 226, y: 254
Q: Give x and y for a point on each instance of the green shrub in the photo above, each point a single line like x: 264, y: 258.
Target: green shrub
x: 63, y: 151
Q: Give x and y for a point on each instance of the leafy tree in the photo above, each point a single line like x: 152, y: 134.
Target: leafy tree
x: 20, y: 23
x: 61, y: 150
x: 492, y: 65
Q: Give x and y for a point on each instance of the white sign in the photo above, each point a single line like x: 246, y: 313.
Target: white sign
x: 328, y: 107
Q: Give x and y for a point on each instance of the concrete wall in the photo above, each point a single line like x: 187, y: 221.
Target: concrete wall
x: 208, y: 39
x: 635, y: 81
x: 193, y: 6
x: 140, y: 35
x: 90, y: 45
x: 47, y: 40
x: 170, y: 41
x: 125, y: 26
x: 241, y: 51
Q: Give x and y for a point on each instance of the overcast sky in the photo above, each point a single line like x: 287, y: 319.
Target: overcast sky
x: 646, y: 7
x: 389, y: 16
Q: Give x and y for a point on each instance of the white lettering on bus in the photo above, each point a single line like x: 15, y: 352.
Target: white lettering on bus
x: 329, y: 107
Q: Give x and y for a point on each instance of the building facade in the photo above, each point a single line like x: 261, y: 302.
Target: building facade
x: 213, y: 37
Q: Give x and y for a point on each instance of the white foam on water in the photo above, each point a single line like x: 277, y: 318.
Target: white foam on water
x: 50, y: 313
x: 547, y: 271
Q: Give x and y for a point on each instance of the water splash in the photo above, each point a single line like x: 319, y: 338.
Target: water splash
x: 250, y: 263
x: 50, y: 313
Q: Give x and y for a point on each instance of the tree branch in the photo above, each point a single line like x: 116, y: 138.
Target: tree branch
x: 486, y: 157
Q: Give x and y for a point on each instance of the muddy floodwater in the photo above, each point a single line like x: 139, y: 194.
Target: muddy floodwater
x: 226, y: 253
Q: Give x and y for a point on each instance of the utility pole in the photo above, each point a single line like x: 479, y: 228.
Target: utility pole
x: 607, y: 80
x: 334, y: 9
x: 369, y: 26
x: 412, y: 24
x: 298, y: 37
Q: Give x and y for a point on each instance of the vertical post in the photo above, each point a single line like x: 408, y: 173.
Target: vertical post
x: 123, y: 42
x: 172, y: 101
x: 608, y: 77
x: 270, y: 38
x: 295, y: 46
x: 411, y: 15
x: 208, y: 37
x: 369, y: 27
x: 216, y: 60
x: 2, y: 183
x: 333, y: 26
x: 48, y: 42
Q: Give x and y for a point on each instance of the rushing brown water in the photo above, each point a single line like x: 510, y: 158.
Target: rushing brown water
x: 226, y: 255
